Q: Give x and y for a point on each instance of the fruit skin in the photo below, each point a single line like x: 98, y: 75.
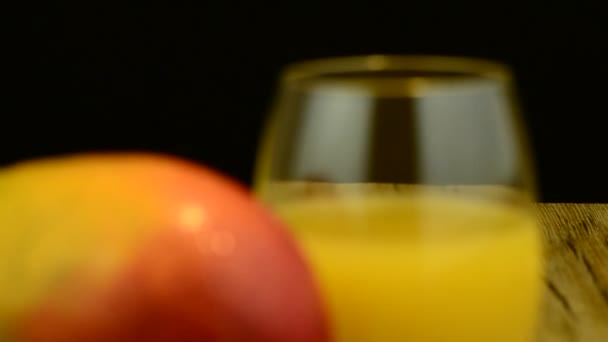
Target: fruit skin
x: 142, y: 247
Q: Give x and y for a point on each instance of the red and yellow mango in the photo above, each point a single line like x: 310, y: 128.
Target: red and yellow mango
x: 142, y: 247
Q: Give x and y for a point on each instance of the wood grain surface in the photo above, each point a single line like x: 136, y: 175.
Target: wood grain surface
x: 576, y: 296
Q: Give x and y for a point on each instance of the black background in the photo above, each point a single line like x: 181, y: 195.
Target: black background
x: 196, y: 80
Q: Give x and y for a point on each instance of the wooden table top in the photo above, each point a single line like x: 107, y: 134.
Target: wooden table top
x: 576, y: 276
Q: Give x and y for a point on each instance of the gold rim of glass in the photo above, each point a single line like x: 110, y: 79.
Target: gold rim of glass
x: 476, y: 67
x: 407, y: 74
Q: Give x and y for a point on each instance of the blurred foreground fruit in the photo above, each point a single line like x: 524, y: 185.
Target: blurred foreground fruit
x: 137, y: 247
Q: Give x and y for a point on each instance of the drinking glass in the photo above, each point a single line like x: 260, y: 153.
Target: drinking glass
x: 406, y: 181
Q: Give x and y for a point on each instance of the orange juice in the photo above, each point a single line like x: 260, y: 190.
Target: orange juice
x: 423, y: 268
